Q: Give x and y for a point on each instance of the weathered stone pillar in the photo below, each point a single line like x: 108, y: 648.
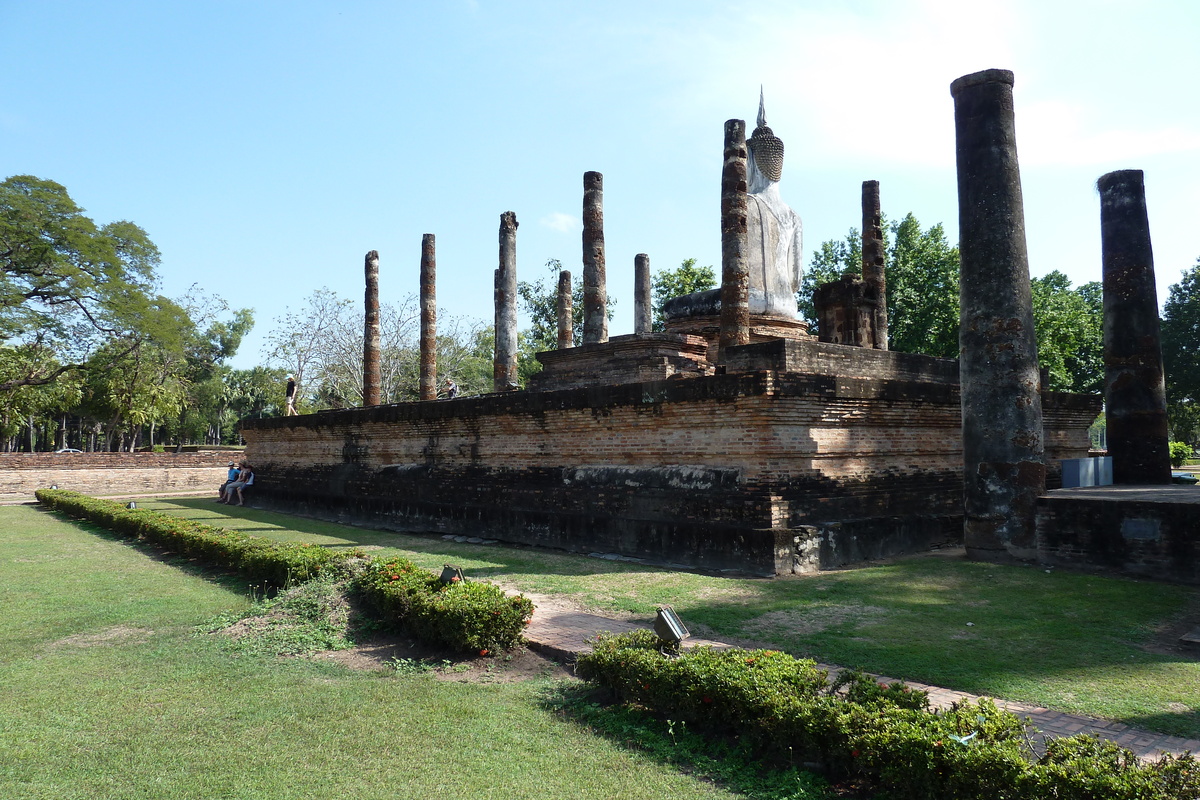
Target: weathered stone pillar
x: 642, y: 304
x: 735, y: 271
x: 872, y: 262
x: 371, y: 379
x: 595, y: 293
x: 566, y: 311
x: 1135, y: 399
x: 428, y: 318
x: 504, y: 367
x: 1004, y: 468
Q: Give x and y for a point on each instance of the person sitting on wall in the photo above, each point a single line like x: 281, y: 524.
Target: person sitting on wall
x: 245, y: 478
x: 451, y: 389
x: 229, y: 478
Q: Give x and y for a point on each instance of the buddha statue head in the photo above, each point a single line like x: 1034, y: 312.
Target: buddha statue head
x: 766, y: 153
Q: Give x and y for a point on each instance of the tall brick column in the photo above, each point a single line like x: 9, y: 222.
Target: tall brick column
x: 1004, y: 468
x: 872, y: 261
x: 504, y: 368
x: 566, y: 311
x: 595, y: 293
x: 1135, y: 398
x: 735, y: 270
x: 371, y: 377
x: 428, y: 318
x: 642, y: 304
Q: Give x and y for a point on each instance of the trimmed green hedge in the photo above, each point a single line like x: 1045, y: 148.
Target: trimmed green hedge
x: 885, y: 735
x: 467, y: 617
x: 276, y: 564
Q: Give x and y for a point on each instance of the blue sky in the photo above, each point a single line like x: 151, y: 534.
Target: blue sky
x: 266, y: 146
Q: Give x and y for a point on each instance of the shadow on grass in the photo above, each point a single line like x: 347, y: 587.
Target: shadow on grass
x: 503, y: 559
x: 737, y: 768
x: 223, y: 578
x: 1017, y: 632
x: 1178, y: 723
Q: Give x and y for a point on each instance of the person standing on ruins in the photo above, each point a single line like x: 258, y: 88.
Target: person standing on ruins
x: 291, y: 398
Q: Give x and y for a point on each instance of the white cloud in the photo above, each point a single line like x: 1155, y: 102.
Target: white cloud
x: 563, y: 223
x: 1057, y: 133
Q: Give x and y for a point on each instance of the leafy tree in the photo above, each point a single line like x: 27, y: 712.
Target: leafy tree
x: 1181, y: 354
x: 922, y: 284
x: 66, y: 283
x: 539, y: 300
x: 1070, y: 332
x: 687, y: 278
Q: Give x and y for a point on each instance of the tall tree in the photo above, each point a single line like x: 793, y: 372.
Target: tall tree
x: 922, y: 284
x: 66, y: 284
x: 1181, y: 355
x: 1070, y: 332
x: 687, y: 278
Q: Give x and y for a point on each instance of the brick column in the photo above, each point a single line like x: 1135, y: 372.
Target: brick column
x: 1004, y: 468
x: 1135, y: 398
x: 428, y: 318
x: 566, y: 311
x: 872, y: 262
x: 595, y: 293
x: 371, y: 378
x: 504, y: 368
x: 642, y: 304
x: 735, y: 271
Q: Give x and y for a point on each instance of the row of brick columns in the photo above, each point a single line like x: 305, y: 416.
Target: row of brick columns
x: 1004, y: 469
x: 1003, y: 448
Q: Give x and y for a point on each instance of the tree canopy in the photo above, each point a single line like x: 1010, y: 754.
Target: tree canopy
x: 922, y: 284
x: 687, y: 278
x: 67, y: 284
x: 1181, y: 354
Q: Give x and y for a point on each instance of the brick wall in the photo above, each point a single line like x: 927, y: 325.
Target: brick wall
x: 1150, y: 532
x: 740, y: 471
x: 21, y: 474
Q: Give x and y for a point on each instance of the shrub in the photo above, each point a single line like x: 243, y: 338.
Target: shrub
x: 882, y: 734
x: 470, y: 617
x: 1180, y: 452
x: 272, y: 563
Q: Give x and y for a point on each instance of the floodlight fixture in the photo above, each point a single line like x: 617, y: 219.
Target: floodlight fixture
x: 452, y: 574
x: 669, y: 627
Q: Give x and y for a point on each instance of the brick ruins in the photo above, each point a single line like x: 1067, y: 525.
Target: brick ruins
x: 803, y: 455
x: 734, y: 439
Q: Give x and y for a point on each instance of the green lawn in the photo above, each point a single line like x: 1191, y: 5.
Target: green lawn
x: 1069, y: 641
x: 106, y: 692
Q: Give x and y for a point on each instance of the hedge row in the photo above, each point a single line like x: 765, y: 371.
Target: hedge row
x: 884, y: 735
x: 276, y: 564
x: 462, y: 615
x: 468, y: 617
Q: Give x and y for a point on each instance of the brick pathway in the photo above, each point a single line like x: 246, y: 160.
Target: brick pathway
x: 563, y: 635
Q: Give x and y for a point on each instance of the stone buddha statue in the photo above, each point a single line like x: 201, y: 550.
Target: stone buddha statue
x: 775, y: 253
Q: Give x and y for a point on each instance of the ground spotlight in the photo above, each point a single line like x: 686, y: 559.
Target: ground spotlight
x: 451, y: 574
x: 669, y: 627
